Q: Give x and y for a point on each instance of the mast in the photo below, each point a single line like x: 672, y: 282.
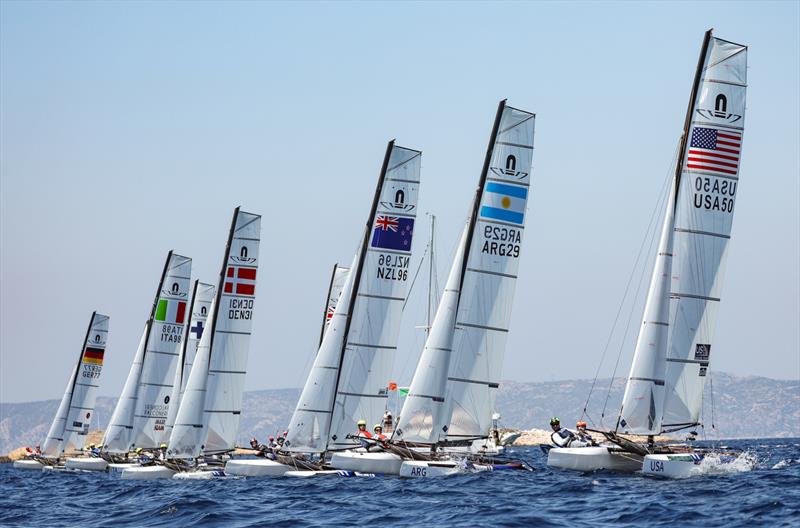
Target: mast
x: 689, y: 110
x: 327, y: 305
x: 359, y: 267
x: 476, y: 204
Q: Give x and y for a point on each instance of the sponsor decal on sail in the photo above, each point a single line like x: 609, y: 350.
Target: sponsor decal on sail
x: 93, y: 355
x: 391, y: 232
x: 510, y: 169
x: 504, y: 202
x: 714, y: 150
x: 241, y: 281
x: 169, y: 311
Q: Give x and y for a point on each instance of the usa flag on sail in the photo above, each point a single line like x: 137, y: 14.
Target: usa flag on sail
x: 714, y: 150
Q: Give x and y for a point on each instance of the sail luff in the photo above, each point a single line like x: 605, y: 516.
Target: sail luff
x: 327, y: 306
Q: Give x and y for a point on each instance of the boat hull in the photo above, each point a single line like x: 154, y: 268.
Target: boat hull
x: 260, y: 467
x: 28, y: 464
x: 364, y: 462
x: 115, y: 467
x: 672, y: 466
x: 426, y: 469
x: 199, y: 475
x: 594, y: 459
x: 86, y: 464
x: 147, y: 473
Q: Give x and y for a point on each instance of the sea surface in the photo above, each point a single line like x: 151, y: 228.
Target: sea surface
x: 762, y: 489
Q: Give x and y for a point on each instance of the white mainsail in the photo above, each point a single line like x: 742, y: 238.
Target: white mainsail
x: 338, y: 278
x: 665, y: 386
x: 202, y: 296
x: 703, y: 217
x: 162, y: 353
x: 208, y: 417
x: 71, y: 423
x: 349, y: 378
x: 463, y: 368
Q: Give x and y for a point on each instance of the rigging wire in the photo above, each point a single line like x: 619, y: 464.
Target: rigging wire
x: 648, y: 234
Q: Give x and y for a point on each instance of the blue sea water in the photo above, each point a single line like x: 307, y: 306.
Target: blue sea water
x: 767, y: 495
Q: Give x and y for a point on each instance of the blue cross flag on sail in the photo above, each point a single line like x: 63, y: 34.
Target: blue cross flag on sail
x: 392, y: 232
x: 504, y: 202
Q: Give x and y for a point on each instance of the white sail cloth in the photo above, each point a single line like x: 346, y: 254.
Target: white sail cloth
x: 703, y: 220
x: 119, y: 433
x: 208, y: 418
x: 74, y: 415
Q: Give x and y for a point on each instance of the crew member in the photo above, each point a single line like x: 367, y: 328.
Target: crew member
x: 362, y: 429
x: 388, y: 421
x: 162, y: 452
x: 583, y: 439
x: 271, y: 442
x: 561, y: 437
x: 378, y: 435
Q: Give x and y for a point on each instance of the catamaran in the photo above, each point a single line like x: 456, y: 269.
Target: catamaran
x: 664, y: 391
x: 450, y: 402
x: 207, y: 420
x: 349, y: 377
x: 71, y: 423
x: 139, y: 418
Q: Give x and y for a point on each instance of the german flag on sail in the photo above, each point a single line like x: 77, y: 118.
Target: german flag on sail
x: 93, y: 355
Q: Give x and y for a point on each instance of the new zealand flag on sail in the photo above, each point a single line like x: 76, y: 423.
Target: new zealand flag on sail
x: 392, y: 232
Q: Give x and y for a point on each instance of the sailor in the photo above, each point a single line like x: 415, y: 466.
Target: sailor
x: 162, y: 452
x: 37, y: 450
x: 560, y: 437
x: 280, y: 442
x: 583, y: 439
x: 378, y: 429
x: 388, y: 421
x: 143, y: 458
x: 362, y: 429
x: 272, y: 444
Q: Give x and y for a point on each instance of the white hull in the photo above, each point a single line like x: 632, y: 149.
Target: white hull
x: 120, y: 467
x: 260, y: 467
x: 424, y: 469
x: 147, y: 473
x: 86, y: 463
x: 306, y: 474
x: 363, y: 462
x: 672, y: 466
x: 593, y: 459
x: 28, y: 464
x: 199, y: 474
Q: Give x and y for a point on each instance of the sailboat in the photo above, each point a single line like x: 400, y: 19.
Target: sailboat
x: 70, y: 425
x: 338, y: 278
x: 664, y: 391
x: 139, y: 418
x: 451, y: 398
x: 349, y: 377
x: 207, y: 421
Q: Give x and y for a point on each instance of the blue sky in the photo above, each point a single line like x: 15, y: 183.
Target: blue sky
x: 128, y: 129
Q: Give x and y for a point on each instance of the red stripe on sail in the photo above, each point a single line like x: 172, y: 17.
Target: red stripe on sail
x: 694, y: 152
x: 247, y: 273
x: 714, y: 169
x: 230, y: 272
x: 181, y: 312
x: 246, y: 289
x: 714, y: 162
x: 228, y: 287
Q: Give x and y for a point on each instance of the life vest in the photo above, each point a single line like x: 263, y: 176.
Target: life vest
x: 382, y: 437
x: 562, y: 437
x: 365, y: 434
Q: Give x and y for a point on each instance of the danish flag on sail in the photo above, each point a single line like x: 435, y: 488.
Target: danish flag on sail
x: 241, y: 281
x: 714, y: 150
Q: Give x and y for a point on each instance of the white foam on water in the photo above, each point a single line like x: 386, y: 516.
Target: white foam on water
x: 715, y: 464
x: 785, y: 463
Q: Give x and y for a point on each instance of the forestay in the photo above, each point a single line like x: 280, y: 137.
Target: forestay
x: 202, y: 296
x: 162, y: 352
x: 489, y: 276
x: 208, y: 418
x: 703, y: 216
x: 349, y: 378
x: 74, y: 416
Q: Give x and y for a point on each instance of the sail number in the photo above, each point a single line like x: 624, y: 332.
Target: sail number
x: 393, y: 267
x: 91, y: 371
x: 714, y: 195
x: 502, y: 241
x: 240, y: 309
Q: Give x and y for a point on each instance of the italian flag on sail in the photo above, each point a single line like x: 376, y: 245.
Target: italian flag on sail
x: 169, y: 311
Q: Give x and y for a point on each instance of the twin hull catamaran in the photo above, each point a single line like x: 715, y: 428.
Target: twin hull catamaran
x: 71, y: 423
x: 348, y: 380
x: 207, y: 420
x: 664, y: 392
